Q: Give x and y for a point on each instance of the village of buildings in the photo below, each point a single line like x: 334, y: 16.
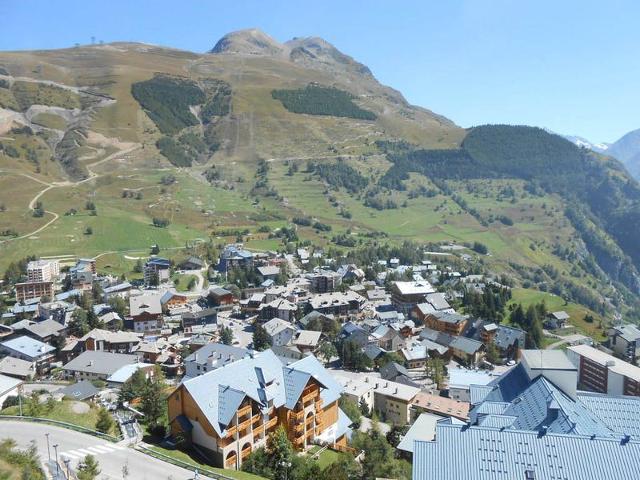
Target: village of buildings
x: 402, y: 350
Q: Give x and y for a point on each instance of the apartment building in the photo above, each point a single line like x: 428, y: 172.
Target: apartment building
x: 31, y: 290
x: 324, y: 281
x: 42, y: 270
x: 230, y: 412
x: 603, y: 373
x: 107, y: 341
x: 451, y: 323
x: 156, y: 271
x: 391, y: 400
x: 625, y: 341
x: 407, y: 295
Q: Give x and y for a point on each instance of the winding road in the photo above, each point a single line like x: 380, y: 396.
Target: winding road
x: 113, y: 457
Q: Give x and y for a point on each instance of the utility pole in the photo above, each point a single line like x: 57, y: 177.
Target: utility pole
x: 48, y: 449
x: 55, y: 447
x: 20, y: 399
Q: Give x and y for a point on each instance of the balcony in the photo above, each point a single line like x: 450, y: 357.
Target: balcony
x: 309, y: 396
x: 226, y: 441
x: 318, y: 405
x: 298, y: 416
x: 232, y: 430
x: 245, y: 424
x: 298, y: 427
x: 230, y: 462
x: 245, y: 453
x: 271, y: 423
x: 244, y: 411
x: 255, y: 420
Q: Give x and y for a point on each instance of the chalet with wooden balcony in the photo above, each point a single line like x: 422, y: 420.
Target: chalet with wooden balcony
x: 231, y: 411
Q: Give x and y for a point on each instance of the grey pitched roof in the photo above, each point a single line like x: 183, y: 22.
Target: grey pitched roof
x: 225, y: 353
x: 45, y: 328
x: 451, y: 318
x: 98, y: 362
x: 16, y: 367
x: 509, y: 336
x: 79, y: 391
x: 466, y: 345
x: 8, y: 383
x: 392, y: 369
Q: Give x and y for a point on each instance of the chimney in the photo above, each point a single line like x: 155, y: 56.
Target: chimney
x: 396, y: 390
x: 543, y: 431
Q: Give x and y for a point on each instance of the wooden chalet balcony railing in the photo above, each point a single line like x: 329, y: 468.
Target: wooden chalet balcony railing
x: 230, y: 462
x: 223, y: 442
x: 308, y: 397
x: 244, y: 425
x: 256, y: 419
x: 244, y: 410
x: 298, y: 427
x: 245, y: 453
x: 272, y: 422
x: 232, y: 430
x: 318, y: 405
x: 299, y: 416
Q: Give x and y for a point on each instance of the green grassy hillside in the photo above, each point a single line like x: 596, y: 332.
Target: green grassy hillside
x: 226, y: 147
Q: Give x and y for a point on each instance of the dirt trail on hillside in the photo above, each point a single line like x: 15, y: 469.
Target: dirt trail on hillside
x: 48, y: 186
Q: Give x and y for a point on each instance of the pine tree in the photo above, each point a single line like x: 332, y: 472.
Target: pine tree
x: 261, y: 339
x: 104, y: 423
x: 280, y: 452
x: 226, y: 336
x: 153, y: 403
x: 88, y: 469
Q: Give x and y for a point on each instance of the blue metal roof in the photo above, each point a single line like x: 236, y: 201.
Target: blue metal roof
x: 620, y: 413
x: 478, y: 453
x: 504, y: 388
x: 261, y: 377
x: 543, y: 404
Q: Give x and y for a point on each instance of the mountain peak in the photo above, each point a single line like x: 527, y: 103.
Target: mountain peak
x: 315, y: 51
x: 251, y: 41
x: 310, y: 52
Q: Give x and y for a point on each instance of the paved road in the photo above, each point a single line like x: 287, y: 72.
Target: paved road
x: 75, y: 445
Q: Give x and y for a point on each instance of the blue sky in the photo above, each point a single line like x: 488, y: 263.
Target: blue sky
x: 572, y: 66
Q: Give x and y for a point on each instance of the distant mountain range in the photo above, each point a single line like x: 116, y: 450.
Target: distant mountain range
x: 626, y: 149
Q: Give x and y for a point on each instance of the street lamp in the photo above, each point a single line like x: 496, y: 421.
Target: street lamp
x: 55, y: 447
x: 286, y: 466
x: 48, y: 449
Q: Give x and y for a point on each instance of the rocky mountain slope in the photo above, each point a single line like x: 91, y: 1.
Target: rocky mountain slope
x: 627, y: 150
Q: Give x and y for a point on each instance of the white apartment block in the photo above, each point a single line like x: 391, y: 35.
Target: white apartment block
x: 42, y: 270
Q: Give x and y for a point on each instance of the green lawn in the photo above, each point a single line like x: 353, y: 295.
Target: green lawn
x: 181, y: 282
x: 327, y: 457
x: 63, y: 412
x: 554, y: 303
x: 185, y: 457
